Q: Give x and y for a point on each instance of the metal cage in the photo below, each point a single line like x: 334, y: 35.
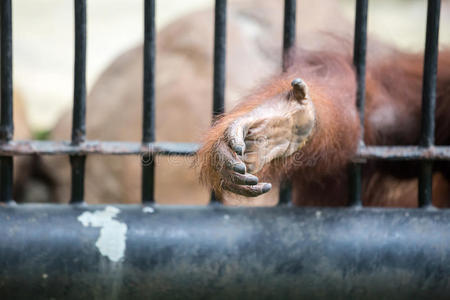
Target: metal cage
x: 156, y: 252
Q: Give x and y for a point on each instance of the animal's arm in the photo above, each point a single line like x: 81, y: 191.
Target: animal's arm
x: 261, y: 136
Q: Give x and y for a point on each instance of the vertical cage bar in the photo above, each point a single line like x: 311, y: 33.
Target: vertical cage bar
x: 355, y: 186
x: 425, y: 183
x: 289, y: 34
x: 77, y: 163
x: 220, y: 42
x: 6, y: 121
x: 148, y: 125
x: 79, y: 102
x: 359, y: 61
x: 429, y: 99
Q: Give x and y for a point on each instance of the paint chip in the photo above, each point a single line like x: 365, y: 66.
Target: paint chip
x: 111, y: 242
x: 226, y: 217
x: 318, y: 214
x: 148, y: 210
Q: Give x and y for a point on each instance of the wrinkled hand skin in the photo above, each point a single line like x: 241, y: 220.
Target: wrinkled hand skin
x: 276, y: 129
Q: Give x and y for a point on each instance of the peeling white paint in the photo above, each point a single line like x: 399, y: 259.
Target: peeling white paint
x: 318, y: 214
x: 148, y: 210
x: 111, y: 242
x: 226, y: 217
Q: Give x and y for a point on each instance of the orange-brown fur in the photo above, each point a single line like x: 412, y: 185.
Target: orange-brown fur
x: 393, y: 105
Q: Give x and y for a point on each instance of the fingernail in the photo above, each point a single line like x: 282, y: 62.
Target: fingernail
x: 266, y: 187
x: 251, y: 180
x: 238, y: 150
x: 240, y: 168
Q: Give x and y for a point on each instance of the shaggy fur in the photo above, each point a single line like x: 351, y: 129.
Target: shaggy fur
x: 392, y: 117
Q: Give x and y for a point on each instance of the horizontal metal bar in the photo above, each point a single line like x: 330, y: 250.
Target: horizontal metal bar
x: 164, y: 252
x: 403, y: 153
x: 172, y: 148
x: 96, y: 147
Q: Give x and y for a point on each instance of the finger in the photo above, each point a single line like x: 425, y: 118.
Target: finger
x: 229, y: 159
x: 237, y: 178
x: 235, y: 136
x: 248, y: 190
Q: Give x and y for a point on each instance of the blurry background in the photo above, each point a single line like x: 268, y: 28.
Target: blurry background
x: 43, y: 41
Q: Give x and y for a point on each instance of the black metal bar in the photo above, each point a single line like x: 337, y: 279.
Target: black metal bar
x: 359, y: 61
x: 289, y: 32
x: 429, y: 99
x: 96, y: 147
x: 79, y: 102
x: 354, y: 182
x: 6, y: 124
x: 164, y: 252
x: 148, y: 126
x: 402, y: 153
x: 425, y: 183
x: 77, y: 163
x: 6, y: 179
x: 289, y: 35
x: 79, y: 91
x: 13, y: 148
x: 355, y: 185
x: 359, y: 57
x: 430, y: 73
x: 6, y: 117
x: 285, y: 193
x: 220, y: 43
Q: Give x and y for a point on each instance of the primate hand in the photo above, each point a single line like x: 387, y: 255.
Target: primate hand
x: 275, y: 129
